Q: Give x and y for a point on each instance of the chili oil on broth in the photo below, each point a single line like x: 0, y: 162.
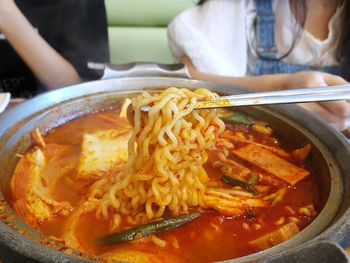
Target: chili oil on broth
x: 212, y: 237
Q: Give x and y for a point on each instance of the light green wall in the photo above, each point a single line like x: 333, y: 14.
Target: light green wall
x: 144, y: 12
x: 148, y: 44
x: 137, y: 28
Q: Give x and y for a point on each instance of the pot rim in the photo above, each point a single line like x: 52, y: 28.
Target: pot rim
x: 51, y: 99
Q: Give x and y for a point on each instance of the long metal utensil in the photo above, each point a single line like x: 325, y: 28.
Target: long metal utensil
x: 329, y: 93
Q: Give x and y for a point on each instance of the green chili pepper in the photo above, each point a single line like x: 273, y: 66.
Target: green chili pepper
x: 234, y: 182
x: 147, y: 229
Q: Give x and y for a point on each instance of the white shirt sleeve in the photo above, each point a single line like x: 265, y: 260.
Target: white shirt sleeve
x: 213, y: 36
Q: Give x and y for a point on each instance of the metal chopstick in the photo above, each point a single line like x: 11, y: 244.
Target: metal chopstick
x: 329, y: 93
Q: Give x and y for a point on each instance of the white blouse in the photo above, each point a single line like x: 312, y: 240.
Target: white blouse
x: 220, y: 38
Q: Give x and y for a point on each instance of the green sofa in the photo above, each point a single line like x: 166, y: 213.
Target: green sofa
x: 137, y: 28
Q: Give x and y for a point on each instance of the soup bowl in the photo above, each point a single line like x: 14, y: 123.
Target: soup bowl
x: 322, y: 240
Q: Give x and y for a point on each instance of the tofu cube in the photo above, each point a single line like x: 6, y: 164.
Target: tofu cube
x: 101, y: 152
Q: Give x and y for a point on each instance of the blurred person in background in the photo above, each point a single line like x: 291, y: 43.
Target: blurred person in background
x: 268, y: 45
x: 46, y: 44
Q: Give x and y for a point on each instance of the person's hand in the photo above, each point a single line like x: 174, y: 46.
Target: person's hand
x: 335, y: 112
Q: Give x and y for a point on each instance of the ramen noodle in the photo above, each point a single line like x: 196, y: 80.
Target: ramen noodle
x: 164, y: 169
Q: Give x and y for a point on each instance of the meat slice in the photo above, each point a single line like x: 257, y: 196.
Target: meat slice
x: 271, y: 163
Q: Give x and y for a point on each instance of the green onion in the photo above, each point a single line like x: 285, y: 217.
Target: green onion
x: 234, y: 182
x: 277, y: 196
x: 147, y: 229
x: 237, y: 117
x: 253, y: 178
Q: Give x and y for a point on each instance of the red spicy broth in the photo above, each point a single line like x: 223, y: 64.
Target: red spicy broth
x: 212, y: 237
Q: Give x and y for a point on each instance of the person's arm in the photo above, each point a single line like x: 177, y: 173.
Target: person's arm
x: 336, y: 112
x: 46, y: 63
x: 261, y: 83
x: 305, y: 79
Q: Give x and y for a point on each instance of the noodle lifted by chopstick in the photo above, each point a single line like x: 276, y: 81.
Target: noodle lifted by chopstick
x: 166, y: 156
